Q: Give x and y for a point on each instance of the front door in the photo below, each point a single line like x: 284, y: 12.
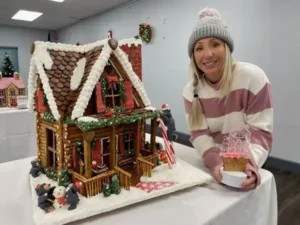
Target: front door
x: 105, y: 150
x: 126, y: 153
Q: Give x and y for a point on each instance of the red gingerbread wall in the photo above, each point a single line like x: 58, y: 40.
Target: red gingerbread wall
x: 135, y: 57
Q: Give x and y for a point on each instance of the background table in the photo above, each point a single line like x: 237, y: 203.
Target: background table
x: 17, y: 134
x: 213, y: 204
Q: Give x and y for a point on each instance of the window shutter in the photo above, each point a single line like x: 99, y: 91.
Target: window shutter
x: 40, y: 106
x: 100, y: 105
x: 129, y: 104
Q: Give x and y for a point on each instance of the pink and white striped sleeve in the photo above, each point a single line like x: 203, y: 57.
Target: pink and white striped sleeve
x: 259, y: 116
x: 203, y: 142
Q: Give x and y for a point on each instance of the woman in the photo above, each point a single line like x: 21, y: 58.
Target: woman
x: 224, y: 96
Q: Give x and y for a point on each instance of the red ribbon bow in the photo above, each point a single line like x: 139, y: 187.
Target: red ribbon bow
x: 61, y: 201
x: 112, y: 80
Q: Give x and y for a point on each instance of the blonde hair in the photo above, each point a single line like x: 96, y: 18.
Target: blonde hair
x: 195, y: 116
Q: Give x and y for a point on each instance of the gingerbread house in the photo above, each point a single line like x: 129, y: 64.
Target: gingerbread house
x: 10, y: 89
x: 91, y: 110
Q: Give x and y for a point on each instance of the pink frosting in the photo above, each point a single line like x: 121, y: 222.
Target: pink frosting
x: 234, y: 155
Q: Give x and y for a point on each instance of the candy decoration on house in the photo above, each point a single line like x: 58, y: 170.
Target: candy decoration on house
x: 145, y: 32
x: 166, y: 115
x: 10, y: 89
x: 169, y: 148
x: 8, y: 68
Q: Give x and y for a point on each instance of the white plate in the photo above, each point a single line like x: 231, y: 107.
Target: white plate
x: 233, y: 178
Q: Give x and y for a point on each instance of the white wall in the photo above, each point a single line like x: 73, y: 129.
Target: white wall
x: 21, y: 38
x: 265, y: 33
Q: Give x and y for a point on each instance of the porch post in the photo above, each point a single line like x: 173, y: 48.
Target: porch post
x: 87, y: 138
x: 137, y: 139
x: 112, y: 158
x: 153, y: 135
x: 60, y: 146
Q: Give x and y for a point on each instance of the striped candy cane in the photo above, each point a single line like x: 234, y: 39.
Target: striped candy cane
x: 168, y: 145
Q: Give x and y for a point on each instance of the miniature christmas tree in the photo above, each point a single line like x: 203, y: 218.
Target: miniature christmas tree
x: 106, y: 190
x: 7, y: 69
x: 64, y: 178
x: 115, y: 185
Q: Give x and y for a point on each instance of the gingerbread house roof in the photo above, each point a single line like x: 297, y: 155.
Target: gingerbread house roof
x: 6, y: 81
x: 57, y: 64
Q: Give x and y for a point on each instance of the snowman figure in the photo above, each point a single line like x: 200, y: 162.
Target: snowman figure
x: 59, y: 194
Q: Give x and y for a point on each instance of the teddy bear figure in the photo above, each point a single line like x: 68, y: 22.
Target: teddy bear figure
x: 59, y: 194
x: 35, y: 168
x: 72, y: 195
x: 45, y: 197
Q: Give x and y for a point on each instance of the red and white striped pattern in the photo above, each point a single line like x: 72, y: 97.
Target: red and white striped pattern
x: 169, y: 148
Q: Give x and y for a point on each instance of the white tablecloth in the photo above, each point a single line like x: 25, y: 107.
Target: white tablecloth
x: 17, y: 134
x: 213, y: 204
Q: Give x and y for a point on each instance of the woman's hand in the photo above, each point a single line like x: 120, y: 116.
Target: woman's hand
x: 217, y: 173
x: 250, y: 182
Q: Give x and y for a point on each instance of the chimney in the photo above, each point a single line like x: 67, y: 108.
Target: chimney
x: 0, y: 75
x: 16, y: 76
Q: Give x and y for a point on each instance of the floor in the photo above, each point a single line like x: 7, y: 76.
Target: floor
x: 288, y: 194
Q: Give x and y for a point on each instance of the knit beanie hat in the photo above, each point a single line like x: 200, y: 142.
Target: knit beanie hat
x: 209, y: 24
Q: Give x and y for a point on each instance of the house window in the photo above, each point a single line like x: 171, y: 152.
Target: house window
x: 13, y: 102
x: 2, y: 102
x: 21, y: 92
x: 12, y: 92
x: 113, y: 97
x: 51, y: 149
x: 2, y: 93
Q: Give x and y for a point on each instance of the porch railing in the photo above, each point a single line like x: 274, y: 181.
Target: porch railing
x: 152, y: 158
x: 125, y: 178
x: 144, y: 167
x: 92, y: 186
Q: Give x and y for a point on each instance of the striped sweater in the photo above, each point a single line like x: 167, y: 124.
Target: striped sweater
x: 249, y: 102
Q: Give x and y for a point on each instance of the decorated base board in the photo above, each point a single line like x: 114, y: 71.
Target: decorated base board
x: 162, y: 182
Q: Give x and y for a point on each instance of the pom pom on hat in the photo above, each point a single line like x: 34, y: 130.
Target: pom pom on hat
x: 209, y: 24
x: 209, y: 12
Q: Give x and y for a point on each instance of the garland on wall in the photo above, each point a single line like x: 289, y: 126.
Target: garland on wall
x: 145, y: 32
x: 50, y: 173
x: 116, y: 120
x: 48, y: 117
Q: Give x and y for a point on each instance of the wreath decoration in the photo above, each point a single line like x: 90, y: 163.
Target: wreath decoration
x: 145, y: 32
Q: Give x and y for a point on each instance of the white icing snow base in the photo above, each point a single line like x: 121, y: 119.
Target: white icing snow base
x: 183, y: 174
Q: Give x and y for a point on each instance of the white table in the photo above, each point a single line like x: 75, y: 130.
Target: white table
x: 210, y: 205
x: 17, y: 134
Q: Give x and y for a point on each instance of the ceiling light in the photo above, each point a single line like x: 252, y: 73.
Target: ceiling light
x: 26, y: 15
x: 57, y: 0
